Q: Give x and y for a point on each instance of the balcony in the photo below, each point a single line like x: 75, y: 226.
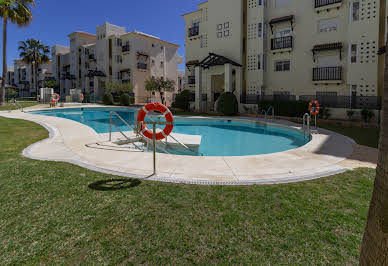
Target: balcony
x: 142, y: 66
x: 327, y: 74
x: 125, y: 48
x: 194, y: 31
x: 282, y: 43
x: 126, y: 81
x: 191, y: 80
x: 324, y: 4
x: 91, y: 57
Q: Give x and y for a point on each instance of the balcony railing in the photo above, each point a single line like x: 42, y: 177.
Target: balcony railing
x: 141, y: 66
x: 321, y: 3
x: 126, y: 81
x: 91, y: 57
x: 191, y: 80
x: 194, y: 31
x: 327, y: 74
x: 126, y: 48
x: 281, y: 43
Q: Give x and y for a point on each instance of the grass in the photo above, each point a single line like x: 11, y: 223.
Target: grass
x: 57, y: 213
x: 23, y: 104
x: 363, y: 136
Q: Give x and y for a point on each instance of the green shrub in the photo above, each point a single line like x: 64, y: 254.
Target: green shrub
x: 350, y: 114
x: 367, y: 115
x: 324, y: 113
x: 285, y: 108
x: 182, y: 100
x: 124, y: 99
x: 131, y: 100
x: 107, y: 99
x: 227, y: 104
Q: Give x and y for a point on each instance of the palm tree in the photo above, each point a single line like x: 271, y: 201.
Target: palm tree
x: 374, y: 250
x: 17, y: 12
x: 35, y: 53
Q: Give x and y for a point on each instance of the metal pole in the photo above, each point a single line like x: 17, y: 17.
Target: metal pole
x: 154, y: 145
x: 110, y: 126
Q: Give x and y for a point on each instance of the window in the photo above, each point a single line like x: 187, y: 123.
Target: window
x: 226, y: 33
x: 260, y: 2
x: 119, y: 59
x: 259, y: 65
x: 355, y: 9
x: 283, y: 33
x: 219, y: 34
x: 260, y: 30
x: 353, y: 53
x: 226, y: 25
x: 219, y: 26
x: 328, y: 25
x: 283, y: 65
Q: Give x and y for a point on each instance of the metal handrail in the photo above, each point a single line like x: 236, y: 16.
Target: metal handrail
x: 273, y: 112
x: 110, y: 128
x: 17, y: 105
x: 306, y: 125
x: 182, y: 144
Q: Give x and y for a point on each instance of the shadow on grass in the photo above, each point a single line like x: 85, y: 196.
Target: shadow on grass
x: 114, y: 184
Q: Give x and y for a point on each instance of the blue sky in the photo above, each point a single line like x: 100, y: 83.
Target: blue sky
x: 55, y: 19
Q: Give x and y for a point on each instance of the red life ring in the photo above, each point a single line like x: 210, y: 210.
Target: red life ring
x: 55, y: 97
x: 162, y: 109
x: 317, y: 107
x: 81, y: 96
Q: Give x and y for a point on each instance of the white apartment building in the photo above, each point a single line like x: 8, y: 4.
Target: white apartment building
x: 114, y: 55
x: 284, y: 48
x: 21, y: 76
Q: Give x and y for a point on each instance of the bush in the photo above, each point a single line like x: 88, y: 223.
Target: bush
x: 324, y: 113
x: 124, y: 99
x: 227, y: 104
x: 131, y: 100
x: 285, y: 108
x: 367, y: 115
x: 350, y: 114
x: 182, y: 100
x: 107, y: 99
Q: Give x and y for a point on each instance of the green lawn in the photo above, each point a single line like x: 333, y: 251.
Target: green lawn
x: 363, y: 136
x: 62, y: 214
x: 23, y: 104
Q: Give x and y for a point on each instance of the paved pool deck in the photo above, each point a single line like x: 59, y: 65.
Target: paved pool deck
x: 327, y: 154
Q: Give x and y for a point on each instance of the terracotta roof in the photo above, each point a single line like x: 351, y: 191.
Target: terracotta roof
x: 328, y: 46
x: 282, y: 19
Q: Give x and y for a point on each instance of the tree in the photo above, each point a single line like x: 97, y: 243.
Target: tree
x: 160, y: 85
x: 17, y: 12
x: 35, y: 53
x: 374, y: 249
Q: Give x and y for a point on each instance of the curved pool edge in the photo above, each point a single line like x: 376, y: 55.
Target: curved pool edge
x: 321, y: 167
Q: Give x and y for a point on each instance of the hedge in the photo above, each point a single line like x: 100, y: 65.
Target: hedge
x: 285, y: 108
x: 228, y: 104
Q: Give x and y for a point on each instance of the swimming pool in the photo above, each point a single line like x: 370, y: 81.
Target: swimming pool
x: 219, y: 137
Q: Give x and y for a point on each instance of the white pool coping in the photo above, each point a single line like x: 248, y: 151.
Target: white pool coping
x: 69, y: 141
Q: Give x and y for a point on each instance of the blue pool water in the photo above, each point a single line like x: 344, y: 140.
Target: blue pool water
x: 219, y: 137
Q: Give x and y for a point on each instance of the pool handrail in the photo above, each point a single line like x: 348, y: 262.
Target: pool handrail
x: 179, y: 142
x: 17, y: 105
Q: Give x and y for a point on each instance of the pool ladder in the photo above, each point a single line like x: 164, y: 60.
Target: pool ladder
x: 306, y: 126
x: 17, y: 105
x: 266, y: 113
x: 138, y: 134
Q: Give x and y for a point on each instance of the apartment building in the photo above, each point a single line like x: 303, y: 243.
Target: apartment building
x: 10, y: 77
x: 21, y: 76
x: 114, y: 55
x: 284, y: 48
